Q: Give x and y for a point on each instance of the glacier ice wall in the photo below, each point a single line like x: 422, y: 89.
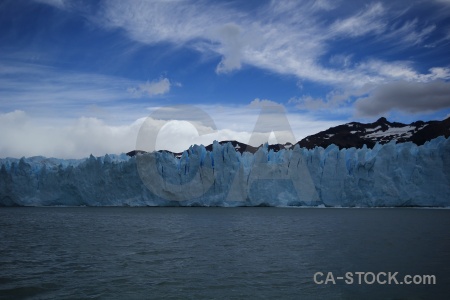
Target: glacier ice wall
x: 387, y: 175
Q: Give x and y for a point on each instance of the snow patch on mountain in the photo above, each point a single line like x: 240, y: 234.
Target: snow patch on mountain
x: 396, y: 132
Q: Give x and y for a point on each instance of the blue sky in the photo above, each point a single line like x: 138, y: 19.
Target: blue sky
x: 79, y: 77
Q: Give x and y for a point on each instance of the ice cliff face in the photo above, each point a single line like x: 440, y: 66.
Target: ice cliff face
x: 387, y: 175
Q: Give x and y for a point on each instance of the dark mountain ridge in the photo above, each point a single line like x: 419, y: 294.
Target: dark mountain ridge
x: 355, y: 134
x: 382, y: 131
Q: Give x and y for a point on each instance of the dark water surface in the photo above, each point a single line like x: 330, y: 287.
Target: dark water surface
x: 219, y: 253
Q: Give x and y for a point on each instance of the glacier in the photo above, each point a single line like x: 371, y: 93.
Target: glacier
x: 389, y: 175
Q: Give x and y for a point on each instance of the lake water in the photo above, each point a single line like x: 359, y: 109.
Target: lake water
x: 219, y: 253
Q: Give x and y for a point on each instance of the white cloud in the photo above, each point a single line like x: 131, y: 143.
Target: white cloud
x: 325, y: 4
x: 35, y: 83
x: 336, y: 101
x: 153, y: 88
x: 445, y: 2
x: 341, y: 60
x: 408, y: 34
x: 258, y: 103
x: 52, y: 92
x: 61, y: 4
x: 158, y: 21
x: 286, y: 37
x: 307, y: 102
x: 380, y: 70
x: 365, y: 21
x: 23, y: 134
x: 415, y: 93
x: 237, y: 123
x: 435, y: 74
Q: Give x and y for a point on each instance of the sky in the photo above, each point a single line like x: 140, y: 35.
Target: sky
x: 81, y: 77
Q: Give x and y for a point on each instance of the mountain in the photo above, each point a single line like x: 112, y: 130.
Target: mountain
x: 355, y: 135
x: 382, y: 131
x: 238, y: 146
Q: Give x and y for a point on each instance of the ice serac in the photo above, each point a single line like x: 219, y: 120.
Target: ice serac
x: 386, y: 175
